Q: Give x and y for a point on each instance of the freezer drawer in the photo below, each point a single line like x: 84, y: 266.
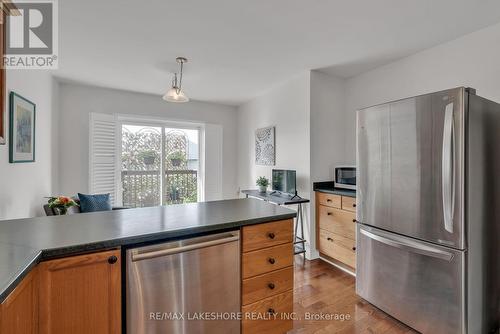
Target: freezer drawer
x: 419, y: 283
x: 185, y: 286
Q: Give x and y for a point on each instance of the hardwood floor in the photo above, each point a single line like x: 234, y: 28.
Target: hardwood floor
x: 320, y: 288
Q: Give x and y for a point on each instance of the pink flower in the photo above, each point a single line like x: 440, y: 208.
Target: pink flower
x: 64, y: 200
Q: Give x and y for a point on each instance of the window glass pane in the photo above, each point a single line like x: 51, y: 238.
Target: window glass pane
x: 141, y: 165
x: 182, y: 163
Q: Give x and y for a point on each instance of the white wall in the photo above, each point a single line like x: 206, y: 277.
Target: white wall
x: 23, y: 186
x: 287, y: 108
x: 77, y: 101
x: 327, y: 125
x: 328, y: 119
x: 472, y: 61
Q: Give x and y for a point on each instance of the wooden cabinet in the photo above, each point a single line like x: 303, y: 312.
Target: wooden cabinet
x: 336, y: 232
x: 268, y: 259
x: 19, y: 311
x: 81, y: 294
x: 337, y: 221
x: 338, y: 247
x: 331, y: 200
x: 267, y: 235
x: 275, y: 311
x: 266, y: 285
x: 267, y: 278
x: 349, y: 203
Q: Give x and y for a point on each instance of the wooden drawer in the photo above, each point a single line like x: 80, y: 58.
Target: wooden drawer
x: 334, y: 201
x: 266, y: 260
x: 266, y: 285
x: 349, y: 203
x: 278, y: 322
x: 337, y: 221
x: 267, y: 235
x: 338, y: 247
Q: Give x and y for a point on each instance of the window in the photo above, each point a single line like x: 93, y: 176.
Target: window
x: 160, y: 165
x: 155, y: 162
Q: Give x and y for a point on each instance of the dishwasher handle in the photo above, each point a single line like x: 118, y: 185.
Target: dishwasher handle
x: 181, y: 249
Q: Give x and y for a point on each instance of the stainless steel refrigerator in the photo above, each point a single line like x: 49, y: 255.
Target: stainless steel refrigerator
x: 428, y: 197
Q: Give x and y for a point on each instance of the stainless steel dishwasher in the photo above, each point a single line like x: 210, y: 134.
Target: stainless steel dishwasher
x: 185, y: 286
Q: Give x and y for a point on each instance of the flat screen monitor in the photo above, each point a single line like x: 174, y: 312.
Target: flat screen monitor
x: 284, y: 181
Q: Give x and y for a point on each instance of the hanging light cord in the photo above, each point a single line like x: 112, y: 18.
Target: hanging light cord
x: 177, y: 79
x: 180, y: 77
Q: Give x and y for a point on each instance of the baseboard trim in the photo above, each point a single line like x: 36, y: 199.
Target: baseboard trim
x: 337, y: 266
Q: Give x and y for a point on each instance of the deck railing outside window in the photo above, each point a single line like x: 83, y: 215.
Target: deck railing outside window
x: 142, y: 188
x: 146, y: 151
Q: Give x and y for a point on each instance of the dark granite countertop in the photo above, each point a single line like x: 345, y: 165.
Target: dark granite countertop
x: 329, y: 187
x: 25, y: 242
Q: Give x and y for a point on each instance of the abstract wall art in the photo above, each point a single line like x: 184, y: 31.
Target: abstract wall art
x: 265, y: 148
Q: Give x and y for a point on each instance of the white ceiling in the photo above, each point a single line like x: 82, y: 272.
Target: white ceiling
x: 238, y: 49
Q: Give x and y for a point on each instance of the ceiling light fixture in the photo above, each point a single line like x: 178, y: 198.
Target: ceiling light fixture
x: 175, y: 94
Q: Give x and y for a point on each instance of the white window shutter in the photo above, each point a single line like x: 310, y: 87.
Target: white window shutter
x: 102, y: 155
x: 213, y: 162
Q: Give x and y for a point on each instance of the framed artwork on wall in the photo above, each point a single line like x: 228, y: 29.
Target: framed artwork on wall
x: 21, y: 129
x: 265, y: 149
x: 2, y: 82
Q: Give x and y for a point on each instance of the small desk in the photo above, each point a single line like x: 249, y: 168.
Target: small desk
x: 278, y: 199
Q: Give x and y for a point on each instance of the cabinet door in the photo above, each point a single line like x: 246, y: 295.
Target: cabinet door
x: 81, y: 294
x: 19, y: 312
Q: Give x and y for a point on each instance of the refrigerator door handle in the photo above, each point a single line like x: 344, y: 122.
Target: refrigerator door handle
x: 448, y: 169
x: 411, y: 246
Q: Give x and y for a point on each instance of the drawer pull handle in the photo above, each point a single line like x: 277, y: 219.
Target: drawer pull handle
x: 271, y: 311
x: 328, y: 200
x: 329, y: 213
x: 329, y: 239
x: 354, y: 220
x: 271, y: 235
x: 271, y: 260
x: 353, y: 205
x: 112, y: 259
x: 354, y: 248
x: 271, y: 286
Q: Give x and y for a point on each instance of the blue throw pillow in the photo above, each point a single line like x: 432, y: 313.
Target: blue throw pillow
x: 93, y: 203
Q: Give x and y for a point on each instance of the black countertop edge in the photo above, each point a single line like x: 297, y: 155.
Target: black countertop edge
x: 19, y: 276
x: 329, y: 188
x: 47, y: 254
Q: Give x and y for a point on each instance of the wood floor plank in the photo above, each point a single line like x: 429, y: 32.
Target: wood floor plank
x: 320, y: 288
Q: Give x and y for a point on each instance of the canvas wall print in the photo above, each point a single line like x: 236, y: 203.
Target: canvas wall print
x: 2, y: 89
x: 265, y: 150
x: 22, y: 129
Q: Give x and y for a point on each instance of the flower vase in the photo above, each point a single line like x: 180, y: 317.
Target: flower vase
x: 62, y: 211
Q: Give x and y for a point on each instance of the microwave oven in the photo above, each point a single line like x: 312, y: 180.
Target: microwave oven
x: 345, y: 177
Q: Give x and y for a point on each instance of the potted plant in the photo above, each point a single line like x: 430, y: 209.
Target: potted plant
x: 148, y: 157
x: 175, y: 195
x: 61, y: 204
x: 262, y: 182
x: 176, y: 158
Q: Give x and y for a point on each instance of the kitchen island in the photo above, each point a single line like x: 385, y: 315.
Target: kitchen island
x: 30, y: 245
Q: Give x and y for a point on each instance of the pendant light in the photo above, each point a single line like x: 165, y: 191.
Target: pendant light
x: 175, y: 94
